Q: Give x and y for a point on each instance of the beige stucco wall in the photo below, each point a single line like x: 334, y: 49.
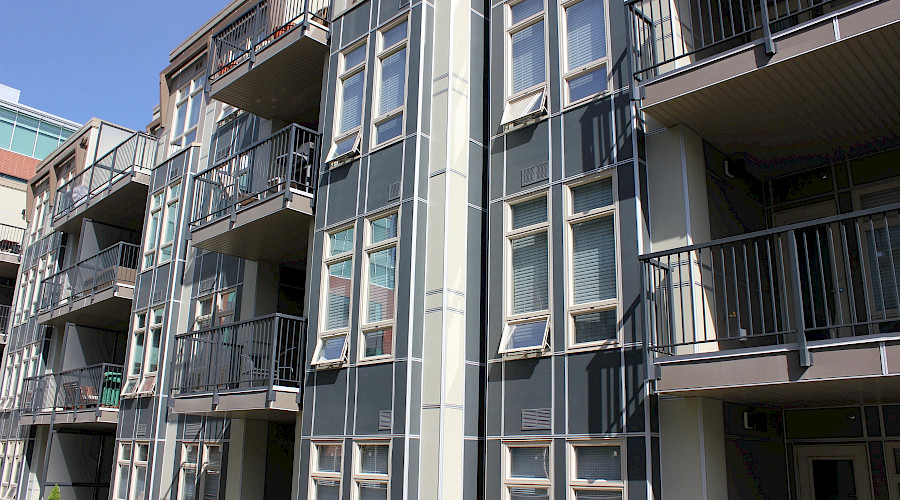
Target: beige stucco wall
x: 692, y: 448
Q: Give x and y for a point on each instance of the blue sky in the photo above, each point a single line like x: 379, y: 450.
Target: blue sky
x: 96, y: 58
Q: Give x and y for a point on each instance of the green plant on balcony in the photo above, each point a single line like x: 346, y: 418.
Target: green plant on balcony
x: 54, y: 493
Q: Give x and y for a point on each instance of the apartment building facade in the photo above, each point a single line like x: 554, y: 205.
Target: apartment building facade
x: 399, y: 249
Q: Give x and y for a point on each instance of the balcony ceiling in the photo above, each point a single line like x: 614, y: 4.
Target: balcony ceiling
x: 841, y: 95
x: 285, y: 82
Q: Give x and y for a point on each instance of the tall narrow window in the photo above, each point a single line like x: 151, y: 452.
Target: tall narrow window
x: 123, y: 471
x: 527, y: 471
x: 592, y: 275
x: 351, y: 86
x: 187, y: 487
x: 143, y: 361
x: 188, y: 101
x: 526, y: 79
x: 528, y: 282
x: 585, y: 54
x: 337, y: 288
x: 371, y: 471
x: 211, y: 471
x: 380, y: 288
x: 325, y: 471
x: 392, y: 83
x: 139, y: 471
x: 173, y: 195
x: 136, y: 358
x: 150, y: 239
x: 595, y: 471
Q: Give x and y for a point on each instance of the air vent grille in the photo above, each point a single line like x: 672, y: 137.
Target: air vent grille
x: 536, y: 419
x: 535, y: 174
x: 394, y: 191
x: 385, y: 420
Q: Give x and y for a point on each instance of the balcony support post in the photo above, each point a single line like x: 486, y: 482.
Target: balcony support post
x: 771, y: 49
x: 797, y: 292
x: 270, y: 391
x: 216, y: 368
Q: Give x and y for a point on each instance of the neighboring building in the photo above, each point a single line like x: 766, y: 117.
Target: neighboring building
x: 27, y: 135
x: 521, y: 250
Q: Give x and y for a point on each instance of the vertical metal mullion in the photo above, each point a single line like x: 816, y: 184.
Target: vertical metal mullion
x: 690, y: 260
x: 825, y: 292
x: 887, y: 235
x: 851, y: 289
x: 800, y: 322
x: 737, y: 290
x: 877, y: 272
x: 270, y: 327
x: 762, y: 312
x: 747, y: 288
x: 702, y: 293
x: 839, y: 314
x: 809, y: 278
x: 725, y: 291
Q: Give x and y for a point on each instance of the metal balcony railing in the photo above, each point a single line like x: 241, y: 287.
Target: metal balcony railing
x: 40, y: 248
x: 672, y: 34
x: 4, y: 318
x: 113, y: 266
x: 286, y: 161
x: 836, y: 277
x: 135, y: 154
x: 260, y: 353
x: 258, y: 28
x: 92, y: 387
x: 11, y: 239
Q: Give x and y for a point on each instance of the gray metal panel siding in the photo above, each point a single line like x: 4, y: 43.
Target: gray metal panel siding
x: 400, y: 400
x: 374, y: 384
x: 497, y: 71
x: 636, y: 466
x: 527, y: 383
x: 594, y: 392
x: 588, y: 140
x: 525, y: 147
x: 330, y: 404
x: 635, y: 375
x: 624, y: 132
x: 343, y: 183
x: 355, y: 23
x: 384, y: 170
x: 473, y: 404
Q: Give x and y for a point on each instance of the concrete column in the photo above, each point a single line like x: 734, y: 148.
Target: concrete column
x: 692, y: 448
x: 246, y: 474
x: 441, y: 465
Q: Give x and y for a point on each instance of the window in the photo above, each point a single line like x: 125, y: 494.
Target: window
x: 205, y: 315
x: 527, y: 471
x: 337, y: 289
x: 352, y: 81
x: 595, y: 471
x: 380, y: 288
x: 526, y: 80
x: 211, y: 472
x: 173, y: 194
x: 138, y: 469
x: 187, y: 483
x: 585, y: 49
x: 371, y: 471
x: 528, y: 270
x: 123, y: 471
x: 592, y: 270
x: 144, y: 359
x: 188, y: 101
x: 392, y: 83
x: 325, y: 471
x: 152, y: 230
x: 28, y: 135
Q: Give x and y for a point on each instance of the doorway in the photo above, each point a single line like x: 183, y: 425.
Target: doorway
x: 833, y: 472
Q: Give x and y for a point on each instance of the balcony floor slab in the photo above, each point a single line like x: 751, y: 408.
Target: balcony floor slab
x: 251, y: 404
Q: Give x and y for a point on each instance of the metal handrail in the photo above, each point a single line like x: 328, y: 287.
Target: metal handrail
x: 286, y: 161
x: 258, y: 28
x: 113, y: 266
x: 137, y: 153
x: 259, y: 353
x: 668, y: 35
x: 91, y: 387
x: 826, y: 278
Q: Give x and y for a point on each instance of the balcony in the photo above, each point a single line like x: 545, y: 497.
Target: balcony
x: 87, y: 395
x: 270, y: 61
x: 258, y: 203
x: 804, y: 75
x: 804, y: 312
x: 251, y: 369
x: 11, y: 239
x: 108, y: 190
x: 96, y: 292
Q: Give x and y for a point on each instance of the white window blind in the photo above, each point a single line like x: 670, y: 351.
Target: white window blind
x: 373, y: 459
x: 525, y: 9
x: 593, y: 195
x: 393, y: 81
x: 339, y: 290
x: 329, y: 458
x: 530, y: 462
x: 595, y: 326
x: 351, y: 102
x: 382, y: 269
x: 593, y: 260
x: 341, y: 241
x: 528, y: 64
x: 598, y: 463
x: 394, y: 36
x: 530, y: 273
x: 586, y: 32
x: 328, y: 489
x: 529, y: 213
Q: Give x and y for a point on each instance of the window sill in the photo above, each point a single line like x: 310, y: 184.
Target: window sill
x: 388, y: 143
x: 374, y: 360
x: 593, y: 346
x: 587, y: 100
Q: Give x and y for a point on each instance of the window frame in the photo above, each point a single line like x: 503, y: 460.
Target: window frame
x: 510, y: 318
x: 316, y: 475
x: 343, y: 75
x: 584, y: 69
x: 513, y: 482
x: 185, y: 96
x: 574, y: 484
x: 369, y: 477
x: 138, y: 464
x: 151, y: 241
x: 382, y: 54
x: 189, y: 466
x: 368, y: 249
x: 573, y: 218
x: 509, y: 120
x: 325, y: 334
x: 145, y: 380
x: 171, y: 204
